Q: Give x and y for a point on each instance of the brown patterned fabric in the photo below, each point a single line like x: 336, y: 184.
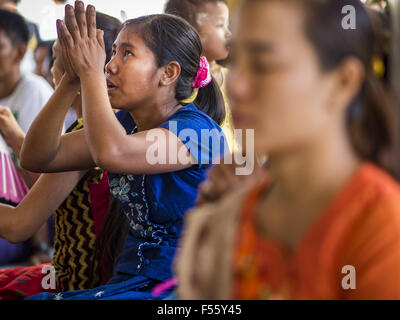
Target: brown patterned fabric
x: 75, y: 237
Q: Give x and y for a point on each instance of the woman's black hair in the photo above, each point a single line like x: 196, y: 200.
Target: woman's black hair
x: 371, y: 115
x: 15, y: 27
x: 171, y: 38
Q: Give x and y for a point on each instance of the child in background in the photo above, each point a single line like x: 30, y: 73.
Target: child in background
x: 43, y: 56
x: 324, y: 223
x: 211, y: 20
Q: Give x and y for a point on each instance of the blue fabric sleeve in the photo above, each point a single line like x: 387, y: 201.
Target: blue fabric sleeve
x: 201, y: 135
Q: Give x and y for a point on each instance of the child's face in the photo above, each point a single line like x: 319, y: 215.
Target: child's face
x: 212, y: 25
x: 275, y: 82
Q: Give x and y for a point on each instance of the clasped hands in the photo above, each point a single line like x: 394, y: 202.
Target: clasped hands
x: 82, y: 44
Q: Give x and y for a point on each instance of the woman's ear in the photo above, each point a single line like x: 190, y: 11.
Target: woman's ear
x: 350, y: 76
x: 171, y: 73
x: 20, y: 52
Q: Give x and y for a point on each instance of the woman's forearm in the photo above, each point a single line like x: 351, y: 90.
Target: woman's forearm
x: 7, y: 222
x: 20, y: 223
x: 29, y: 177
x: 16, y: 143
x: 43, y: 138
x: 98, y: 115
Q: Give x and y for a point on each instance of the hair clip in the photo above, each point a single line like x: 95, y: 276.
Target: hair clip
x: 203, y: 76
x: 192, y: 97
x: 378, y: 66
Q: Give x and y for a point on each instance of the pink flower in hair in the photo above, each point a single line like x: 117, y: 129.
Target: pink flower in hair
x: 203, y: 76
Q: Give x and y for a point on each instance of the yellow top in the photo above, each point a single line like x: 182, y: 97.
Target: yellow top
x: 232, y: 4
x: 227, y: 125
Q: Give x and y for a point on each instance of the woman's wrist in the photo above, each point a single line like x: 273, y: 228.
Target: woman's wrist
x: 70, y: 84
x: 93, y: 76
x: 16, y: 143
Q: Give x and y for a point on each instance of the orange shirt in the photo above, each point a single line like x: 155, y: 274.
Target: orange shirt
x: 355, y: 242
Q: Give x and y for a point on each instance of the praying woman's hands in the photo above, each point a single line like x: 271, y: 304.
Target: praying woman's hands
x: 82, y: 44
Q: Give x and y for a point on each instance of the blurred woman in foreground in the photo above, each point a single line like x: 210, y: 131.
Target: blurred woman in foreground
x: 325, y: 222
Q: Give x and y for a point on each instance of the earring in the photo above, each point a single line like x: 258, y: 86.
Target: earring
x: 163, y: 84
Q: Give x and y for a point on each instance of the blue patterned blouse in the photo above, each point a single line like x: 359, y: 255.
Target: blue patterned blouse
x: 155, y: 204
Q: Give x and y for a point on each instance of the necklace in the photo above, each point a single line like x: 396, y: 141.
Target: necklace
x: 133, y: 130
